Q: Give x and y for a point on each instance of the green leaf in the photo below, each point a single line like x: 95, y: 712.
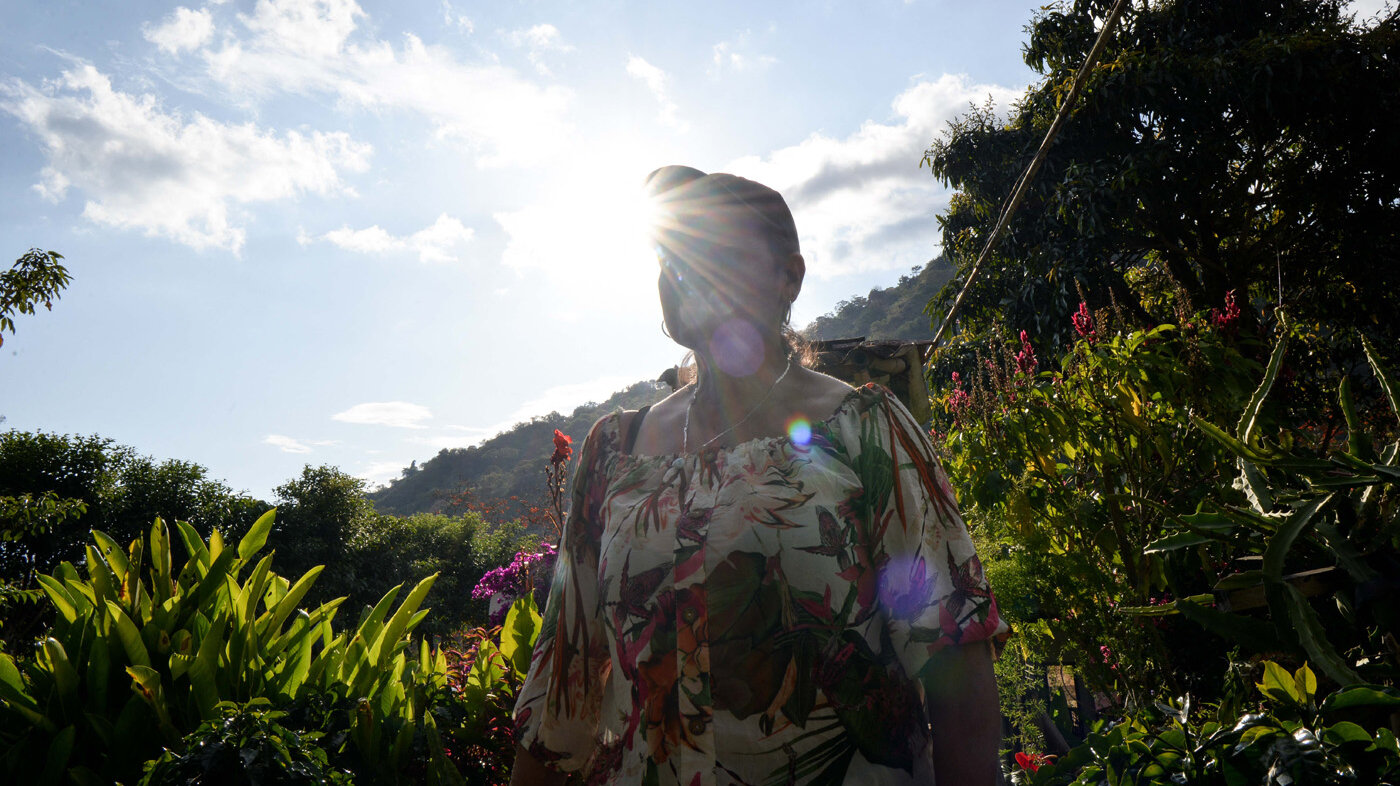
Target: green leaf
x: 1361, y: 696
x: 129, y: 636
x: 1387, y: 382
x: 62, y: 600
x: 253, y: 542
x: 1248, y: 426
x: 397, y: 624
x: 1345, y: 732
x: 518, y: 634
x: 1255, y: 486
x: 1282, y: 541
x: 1358, y: 444
x: 60, y: 750
x: 1278, y: 685
x: 1179, y: 540
x: 1314, y: 640
x: 1306, y: 682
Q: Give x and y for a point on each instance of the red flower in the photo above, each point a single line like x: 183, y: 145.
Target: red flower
x: 562, y: 451
x: 1030, y: 762
x: 1025, y: 359
x: 1225, y: 320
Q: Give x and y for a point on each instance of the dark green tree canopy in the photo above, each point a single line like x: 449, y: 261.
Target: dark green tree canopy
x: 36, y: 278
x: 1242, y: 146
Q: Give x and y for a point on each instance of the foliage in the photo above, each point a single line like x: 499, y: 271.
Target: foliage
x: 486, y: 669
x: 1296, y: 736
x: 897, y: 312
x: 1332, y: 522
x: 135, y: 664
x: 36, y: 277
x: 55, y: 489
x: 245, y: 745
x: 1066, y: 476
x: 1238, y: 146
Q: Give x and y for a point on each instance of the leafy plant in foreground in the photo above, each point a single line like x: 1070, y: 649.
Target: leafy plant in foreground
x: 1294, y: 736
x: 133, y: 665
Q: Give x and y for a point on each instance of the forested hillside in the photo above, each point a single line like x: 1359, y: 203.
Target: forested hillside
x: 892, y: 312
x: 509, y: 468
x: 508, y: 465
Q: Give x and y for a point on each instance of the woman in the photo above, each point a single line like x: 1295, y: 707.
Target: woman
x: 764, y: 578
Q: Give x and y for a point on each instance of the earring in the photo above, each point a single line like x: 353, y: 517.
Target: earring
x: 666, y: 332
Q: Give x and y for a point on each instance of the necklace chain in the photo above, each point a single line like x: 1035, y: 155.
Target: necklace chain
x: 685, y: 430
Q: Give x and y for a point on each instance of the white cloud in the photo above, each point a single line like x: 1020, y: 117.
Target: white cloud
x: 863, y: 202
x: 726, y: 59
x: 379, y: 473
x: 567, y: 397
x: 286, y: 444
x: 399, y: 414
x: 656, y: 81
x: 146, y: 168
x: 183, y: 30
x: 314, y: 47
x: 453, y: 19
x: 434, y: 243
x: 539, y: 40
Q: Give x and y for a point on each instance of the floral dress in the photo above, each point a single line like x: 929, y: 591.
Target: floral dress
x: 757, y: 614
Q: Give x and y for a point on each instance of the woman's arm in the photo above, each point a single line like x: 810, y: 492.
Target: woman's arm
x: 529, y: 772
x: 966, y: 718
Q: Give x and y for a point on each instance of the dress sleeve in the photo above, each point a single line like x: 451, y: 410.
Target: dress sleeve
x: 557, y: 710
x: 932, y: 591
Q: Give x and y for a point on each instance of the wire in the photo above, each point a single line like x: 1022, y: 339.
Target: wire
x: 1023, y: 184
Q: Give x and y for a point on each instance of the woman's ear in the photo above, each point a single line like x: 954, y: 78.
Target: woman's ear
x: 792, y: 271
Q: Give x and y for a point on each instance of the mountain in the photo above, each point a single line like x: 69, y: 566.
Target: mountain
x: 511, y: 464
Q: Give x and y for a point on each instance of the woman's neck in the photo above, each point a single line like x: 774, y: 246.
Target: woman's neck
x: 728, y: 388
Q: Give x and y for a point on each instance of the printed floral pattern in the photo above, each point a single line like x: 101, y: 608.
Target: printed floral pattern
x: 754, y: 615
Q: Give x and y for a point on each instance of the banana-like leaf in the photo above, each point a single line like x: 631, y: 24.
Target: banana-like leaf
x: 62, y: 600
x: 202, y: 673
x: 398, y: 624
x: 214, y: 578
x: 162, y: 583
x: 99, y: 667
x: 1314, y: 640
x: 1248, y: 427
x: 60, y: 751
x: 65, y: 677
x: 99, y: 576
x: 253, y: 542
x: 289, y: 600
x: 1387, y: 382
x: 194, y: 545
x: 128, y: 635
x: 145, y: 683
x: 113, y: 554
x: 518, y: 633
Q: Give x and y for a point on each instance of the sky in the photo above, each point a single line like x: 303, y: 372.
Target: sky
x: 317, y: 232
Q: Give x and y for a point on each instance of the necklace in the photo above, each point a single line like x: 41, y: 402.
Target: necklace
x: 685, y: 430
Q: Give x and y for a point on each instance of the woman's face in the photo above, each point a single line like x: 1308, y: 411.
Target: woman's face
x: 719, y: 284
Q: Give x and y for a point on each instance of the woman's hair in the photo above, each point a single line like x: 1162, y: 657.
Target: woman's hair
x: 686, y: 196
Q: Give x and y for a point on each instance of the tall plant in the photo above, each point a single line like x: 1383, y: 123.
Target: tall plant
x: 133, y: 664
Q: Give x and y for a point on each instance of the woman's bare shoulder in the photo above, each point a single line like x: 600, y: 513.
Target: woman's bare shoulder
x: 820, y: 392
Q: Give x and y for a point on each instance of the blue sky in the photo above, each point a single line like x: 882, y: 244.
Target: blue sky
x: 311, y: 231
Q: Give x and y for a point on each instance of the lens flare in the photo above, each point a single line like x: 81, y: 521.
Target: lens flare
x: 799, y: 430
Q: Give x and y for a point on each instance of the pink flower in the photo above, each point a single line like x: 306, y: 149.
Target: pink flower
x: 1026, y: 362
x: 1226, y: 320
x: 1084, y: 323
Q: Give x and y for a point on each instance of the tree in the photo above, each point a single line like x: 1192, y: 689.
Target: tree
x: 37, y: 277
x: 319, y: 514
x: 1242, y: 146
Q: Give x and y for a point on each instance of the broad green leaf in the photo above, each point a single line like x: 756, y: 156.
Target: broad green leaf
x: 145, y: 683
x: 1345, y: 732
x: 113, y: 554
x: 194, y: 544
x: 65, y: 677
x: 253, y: 542
x: 1362, y: 696
x: 1278, y: 684
x: 518, y: 634
x: 1248, y: 426
x: 161, y: 580
x: 289, y: 601
x: 129, y: 636
x: 60, y: 750
x: 62, y: 600
x: 1306, y: 682
x: 202, y: 672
